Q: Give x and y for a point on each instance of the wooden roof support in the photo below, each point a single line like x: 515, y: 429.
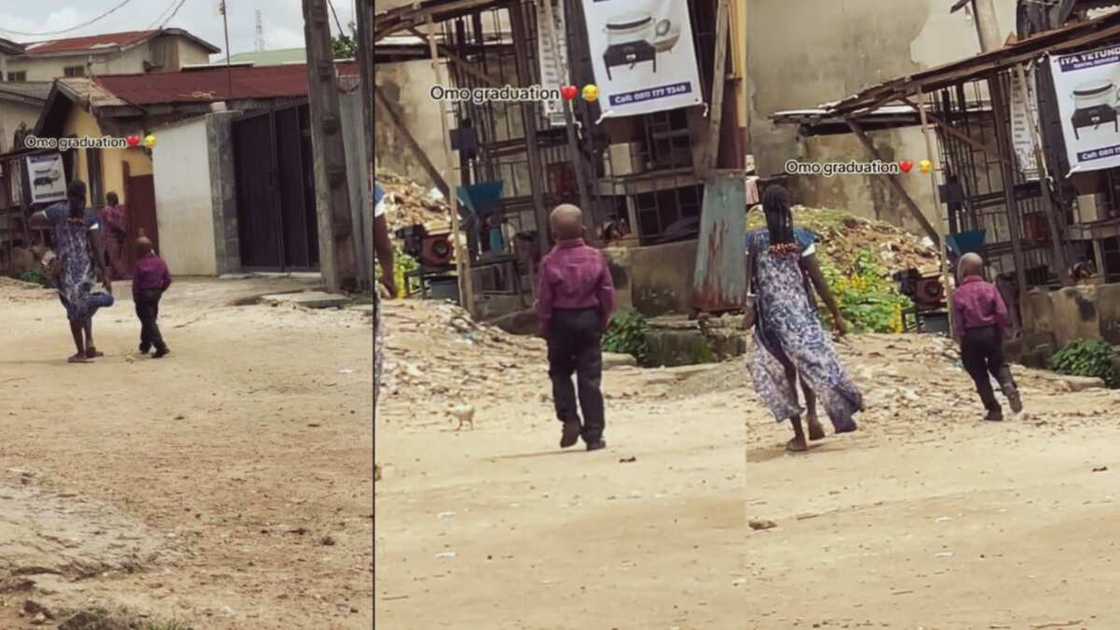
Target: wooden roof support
x: 461, y: 63
x: 930, y: 231
x: 952, y: 131
x: 715, y: 110
x: 425, y: 161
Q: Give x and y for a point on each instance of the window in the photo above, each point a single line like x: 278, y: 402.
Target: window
x: 18, y: 77
x: 74, y: 71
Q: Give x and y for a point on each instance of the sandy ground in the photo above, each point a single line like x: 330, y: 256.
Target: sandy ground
x: 931, y: 519
x: 927, y: 518
x: 227, y: 486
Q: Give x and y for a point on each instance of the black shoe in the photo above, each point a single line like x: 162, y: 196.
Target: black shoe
x: 596, y: 445
x: 995, y: 415
x: 160, y: 353
x: 145, y: 348
x: 1016, y: 402
x: 570, y: 435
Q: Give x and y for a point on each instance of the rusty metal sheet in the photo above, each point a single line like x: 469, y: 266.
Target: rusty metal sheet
x: 719, y: 281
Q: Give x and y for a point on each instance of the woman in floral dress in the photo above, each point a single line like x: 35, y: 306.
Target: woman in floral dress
x: 789, y: 339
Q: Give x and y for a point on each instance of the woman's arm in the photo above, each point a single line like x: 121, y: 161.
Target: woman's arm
x: 813, y: 268
x: 750, y: 314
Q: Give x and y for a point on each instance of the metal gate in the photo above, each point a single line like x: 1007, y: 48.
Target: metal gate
x: 277, y: 223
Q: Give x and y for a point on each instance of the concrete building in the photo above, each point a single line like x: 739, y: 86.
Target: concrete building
x: 803, y: 54
x: 165, y: 50
x: 229, y: 185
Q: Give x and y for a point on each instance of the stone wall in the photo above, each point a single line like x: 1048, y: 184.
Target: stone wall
x: 1053, y: 320
x: 655, y: 280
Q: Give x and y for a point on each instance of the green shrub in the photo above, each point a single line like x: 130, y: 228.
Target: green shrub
x: 627, y: 335
x: 402, y: 264
x: 868, y: 299
x: 1086, y: 357
x: 34, y: 277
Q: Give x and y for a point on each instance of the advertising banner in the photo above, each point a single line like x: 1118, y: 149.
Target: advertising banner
x: 1024, y: 120
x: 1087, y: 87
x: 554, y: 61
x: 643, y: 55
x: 46, y: 178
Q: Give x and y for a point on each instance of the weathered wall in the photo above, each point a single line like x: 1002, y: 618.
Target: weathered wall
x: 803, y: 54
x: 184, y: 205
x: 1052, y: 320
x: 654, y: 280
x: 81, y: 123
x: 128, y: 62
x: 223, y: 191
x: 407, y: 85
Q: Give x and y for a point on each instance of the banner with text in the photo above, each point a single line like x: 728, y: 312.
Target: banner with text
x: 1087, y: 85
x: 1024, y: 122
x: 643, y: 55
x: 554, y: 60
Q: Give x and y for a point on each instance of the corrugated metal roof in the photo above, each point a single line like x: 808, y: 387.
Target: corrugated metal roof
x: 37, y: 90
x: 106, y: 42
x: 210, y: 85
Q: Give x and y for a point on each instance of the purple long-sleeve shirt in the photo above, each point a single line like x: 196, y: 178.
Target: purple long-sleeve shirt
x: 978, y: 304
x: 574, y: 276
x: 151, y: 273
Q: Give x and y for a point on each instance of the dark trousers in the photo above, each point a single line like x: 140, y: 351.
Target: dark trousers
x: 574, y: 348
x: 147, y: 309
x: 982, y: 354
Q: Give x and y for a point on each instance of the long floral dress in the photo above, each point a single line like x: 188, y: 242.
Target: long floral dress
x: 789, y: 332
x: 77, y: 279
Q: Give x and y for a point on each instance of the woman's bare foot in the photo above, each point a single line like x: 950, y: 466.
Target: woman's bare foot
x: 816, y: 431
x: 78, y: 358
x: 797, y: 445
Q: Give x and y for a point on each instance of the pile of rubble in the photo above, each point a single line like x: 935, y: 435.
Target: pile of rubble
x: 844, y: 236
x: 411, y: 204
x: 438, y: 357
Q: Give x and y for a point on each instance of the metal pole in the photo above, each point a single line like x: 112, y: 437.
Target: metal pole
x: 987, y: 24
x: 1060, y: 260
x: 229, y: 69
x: 569, y: 124
x: 940, y: 220
x: 462, y: 266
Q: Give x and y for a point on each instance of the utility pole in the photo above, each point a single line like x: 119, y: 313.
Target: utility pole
x: 229, y: 71
x: 337, y: 255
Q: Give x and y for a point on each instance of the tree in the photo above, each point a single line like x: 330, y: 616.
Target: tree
x: 344, y: 47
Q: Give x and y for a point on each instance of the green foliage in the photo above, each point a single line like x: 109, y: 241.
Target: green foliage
x: 34, y: 277
x: 344, y: 47
x: 1086, y: 357
x: 402, y: 264
x: 869, y: 300
x: 627, y: 335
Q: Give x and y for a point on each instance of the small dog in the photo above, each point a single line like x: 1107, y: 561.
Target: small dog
x: 465, y: 415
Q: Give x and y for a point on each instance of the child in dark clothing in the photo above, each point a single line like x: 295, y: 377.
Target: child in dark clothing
x: 149, y: 282
x: 979, y: 322
x: 575, y: 300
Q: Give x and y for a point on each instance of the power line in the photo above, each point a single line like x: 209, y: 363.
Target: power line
x: 72, y: 28
x: 173, y: 14
x: 338, y: 23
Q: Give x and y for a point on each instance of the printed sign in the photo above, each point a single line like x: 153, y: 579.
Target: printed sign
x: 1024, y: 120
x: 554, y: 65
x: 643, y: 55
x: 46, y: 178
x: 1088, y: 89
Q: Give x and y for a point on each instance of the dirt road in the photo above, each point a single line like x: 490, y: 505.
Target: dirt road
x: 927, y: 518
x: 930, y: 519
x: 227, y: 486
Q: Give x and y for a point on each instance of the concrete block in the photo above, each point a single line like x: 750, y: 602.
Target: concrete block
x: 1108, y: 304
x: 1075, y: 383
x: 613, y: 360
x: 1075, y: 314
x: 519, y: 323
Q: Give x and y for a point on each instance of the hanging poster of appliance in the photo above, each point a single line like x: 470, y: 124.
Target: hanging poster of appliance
x: 1024, y: 121
x: 554, y: 62
x: 46, y: 178
x: 1088, y: 89
x: 643, y: 55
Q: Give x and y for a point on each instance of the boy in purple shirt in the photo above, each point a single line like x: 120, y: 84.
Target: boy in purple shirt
x: 979, y: 323
x: 149, y: 282
x: 575, y: 300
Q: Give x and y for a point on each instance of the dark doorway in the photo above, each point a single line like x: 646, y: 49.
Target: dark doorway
x: 275, y: 191
x: 140, y: 198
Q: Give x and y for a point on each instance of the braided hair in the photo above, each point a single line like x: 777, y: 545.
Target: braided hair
x: 779, y: 221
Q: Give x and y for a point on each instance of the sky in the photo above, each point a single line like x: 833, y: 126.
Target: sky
x: 282, y: 19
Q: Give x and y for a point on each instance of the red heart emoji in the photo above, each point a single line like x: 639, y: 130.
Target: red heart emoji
x: 134, y: 141
x: 906, y: 165
x: 569, y: 92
